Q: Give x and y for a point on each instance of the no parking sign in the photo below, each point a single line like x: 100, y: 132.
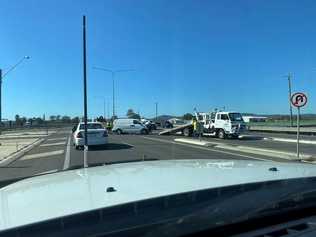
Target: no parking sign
x: 298, y: 100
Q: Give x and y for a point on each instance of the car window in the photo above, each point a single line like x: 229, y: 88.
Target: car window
x: 224, y: 117
x: 91, y: 126
x: 136, y: 122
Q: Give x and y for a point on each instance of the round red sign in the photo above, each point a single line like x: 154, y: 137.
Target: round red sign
x: 299, y: 99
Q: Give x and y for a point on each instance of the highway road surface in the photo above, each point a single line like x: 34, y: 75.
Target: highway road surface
x: 57, y: 153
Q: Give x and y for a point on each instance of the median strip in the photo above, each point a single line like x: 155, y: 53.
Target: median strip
x: 246, y: 149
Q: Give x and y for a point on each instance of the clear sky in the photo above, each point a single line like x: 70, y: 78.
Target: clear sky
x: 186, y: 54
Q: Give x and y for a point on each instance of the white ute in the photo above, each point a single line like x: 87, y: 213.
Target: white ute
x: 97, y: 134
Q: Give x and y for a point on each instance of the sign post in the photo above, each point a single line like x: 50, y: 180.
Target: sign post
x: 298, y: 100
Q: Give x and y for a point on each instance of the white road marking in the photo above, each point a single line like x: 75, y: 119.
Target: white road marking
x: 207, y: 149
x: 43, y: 154
x: 246, y: 149
x: 47, y: 172
x: 53, y: 144
x: 128, y: 144
x: 292, y: 140
x: 57, y: 139
x: 67, y: 156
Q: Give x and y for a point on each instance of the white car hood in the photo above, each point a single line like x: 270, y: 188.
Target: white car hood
x: 54, y: 195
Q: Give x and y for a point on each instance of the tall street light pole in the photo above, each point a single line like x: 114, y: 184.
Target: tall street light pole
x: 85, y: 155
x: 156, y: 110
x: 289, y: 76
x: 113, y: 73
x: 2, y: 75
x: 103, y: 98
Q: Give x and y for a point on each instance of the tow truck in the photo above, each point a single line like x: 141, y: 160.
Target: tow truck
x: 220, y: 124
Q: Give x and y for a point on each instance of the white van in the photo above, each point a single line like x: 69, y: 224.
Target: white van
x: 129, y: 126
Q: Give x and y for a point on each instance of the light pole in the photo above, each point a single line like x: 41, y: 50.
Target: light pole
x: 113, y: 72
x: 2, y: 75
x: 156, y: 104
x: 102, y: 97
x: 289, y: 76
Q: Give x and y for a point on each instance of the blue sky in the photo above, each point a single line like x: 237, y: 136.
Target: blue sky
x: 186, y: 54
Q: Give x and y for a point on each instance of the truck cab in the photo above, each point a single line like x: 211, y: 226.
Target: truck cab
x: 222, y: 124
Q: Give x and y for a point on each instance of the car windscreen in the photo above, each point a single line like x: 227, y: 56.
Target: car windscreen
x: 236, y: 117
x: 91, y: 126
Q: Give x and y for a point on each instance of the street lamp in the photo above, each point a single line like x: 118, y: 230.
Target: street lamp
x: 113, y: 72
x: 1, y: 78
x: 102, y: 97
x: 289, y: 76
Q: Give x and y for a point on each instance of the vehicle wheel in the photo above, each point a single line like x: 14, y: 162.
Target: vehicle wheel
x: 186, y: 132
x: 118, y: 131
x: 221, y: 134
x: 144, y: 132
x: 76, y: 147
x: 235, y: 136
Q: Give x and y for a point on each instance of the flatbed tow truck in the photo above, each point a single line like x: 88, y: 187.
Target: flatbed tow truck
x: 220, y: 124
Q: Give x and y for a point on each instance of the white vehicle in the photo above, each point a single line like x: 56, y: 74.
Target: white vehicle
x: 222, y: 124
x: 125, y: 125
x: 97, y: 134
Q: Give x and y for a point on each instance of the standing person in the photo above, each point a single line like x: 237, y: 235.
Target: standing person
x: 109, y: 126
x: 194, y: 123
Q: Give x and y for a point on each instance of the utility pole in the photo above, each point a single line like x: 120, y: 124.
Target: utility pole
x: 2, y: 75
x: 156, y: 110
x: 0, y: 101
x: 290, y: 94
x: 113, y: 75
x: 85, y: 158
x: 104, y: 108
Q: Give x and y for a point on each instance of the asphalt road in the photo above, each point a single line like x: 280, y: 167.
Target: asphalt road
x: 57, y: 153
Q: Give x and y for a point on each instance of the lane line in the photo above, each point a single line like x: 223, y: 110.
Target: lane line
x: 57, y: 139
x: 67, y: 155
x: 47, y: 172
x: 53, y: 144
x: 43, y: 154
x: 208, y: 149
x: 128, y: 144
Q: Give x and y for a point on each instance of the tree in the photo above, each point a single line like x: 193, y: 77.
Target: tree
x: 66, y: 119
x: 131, y: 114
x: 101, y: 119
x: 17, y: 118
x: 39, y: 120
x: 23, y: 120
x: 187, y: 116
x: 135, y: 116
x: 52, y: 117
x: 58, y: 117
x: 75, y: 120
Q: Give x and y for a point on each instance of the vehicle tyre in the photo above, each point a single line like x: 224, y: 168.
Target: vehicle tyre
x: 118, y: 131
x: 144, y: 132
x: 186, y: 132
x: 76, y: 147
x: 235, y: 136
x: 221, y: 134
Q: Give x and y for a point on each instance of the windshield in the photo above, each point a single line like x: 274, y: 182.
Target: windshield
x: 91, y: 126
x: 235, y: 117
x: 168, y: 88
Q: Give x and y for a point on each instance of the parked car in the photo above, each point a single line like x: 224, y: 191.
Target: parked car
x: 150, y: 125
x: 97, y: 134
x: 129, y: 126
x: 168, y: 124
